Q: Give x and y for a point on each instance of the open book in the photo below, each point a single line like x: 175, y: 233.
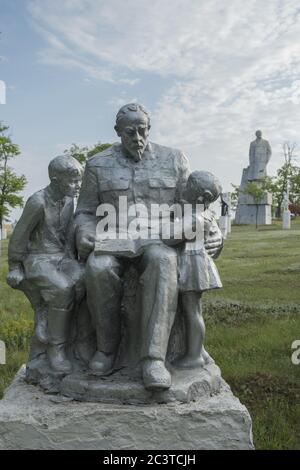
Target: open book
x: 128, y: 247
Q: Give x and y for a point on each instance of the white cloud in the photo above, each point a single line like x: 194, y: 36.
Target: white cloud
x: 230, y: 67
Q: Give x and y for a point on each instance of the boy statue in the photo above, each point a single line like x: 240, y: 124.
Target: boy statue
x: 43, y: 262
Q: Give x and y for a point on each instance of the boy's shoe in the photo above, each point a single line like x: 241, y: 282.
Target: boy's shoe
x: 58, y: 358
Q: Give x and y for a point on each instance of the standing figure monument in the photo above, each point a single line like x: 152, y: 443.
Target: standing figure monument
x: 259, y: 155
x: 286, y: 216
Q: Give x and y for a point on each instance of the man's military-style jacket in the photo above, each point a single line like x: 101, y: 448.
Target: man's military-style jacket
x: 158, y: 178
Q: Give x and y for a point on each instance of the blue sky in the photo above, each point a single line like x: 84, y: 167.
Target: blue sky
x: 210, y: 73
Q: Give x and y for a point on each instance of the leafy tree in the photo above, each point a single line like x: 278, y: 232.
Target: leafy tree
x: 84, y: 153
x: 288, y: 176
x: 98, y: 148
x: 10, y: 184
x: 80, y: 153
x: 294, y: 187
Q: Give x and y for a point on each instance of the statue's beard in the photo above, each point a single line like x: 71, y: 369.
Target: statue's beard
x: 136, y: 153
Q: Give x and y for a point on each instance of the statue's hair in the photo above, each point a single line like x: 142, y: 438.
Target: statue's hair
x: 63, y: 165
x: 131, y: 107
x: 206, y: 181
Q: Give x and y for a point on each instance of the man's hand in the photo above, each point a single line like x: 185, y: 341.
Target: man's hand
x: 15, y: 277
x: 85, y: 245
x: 214, y: 242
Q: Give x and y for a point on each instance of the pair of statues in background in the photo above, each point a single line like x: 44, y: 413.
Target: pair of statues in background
x: 52, y: 258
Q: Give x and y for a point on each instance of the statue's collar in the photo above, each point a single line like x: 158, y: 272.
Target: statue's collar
x: 53, y: 196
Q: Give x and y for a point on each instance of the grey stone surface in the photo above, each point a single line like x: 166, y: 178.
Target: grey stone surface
x: 123, y: 387
x: 266, y: 200
x: 246, y: 214
x: 30, y: 419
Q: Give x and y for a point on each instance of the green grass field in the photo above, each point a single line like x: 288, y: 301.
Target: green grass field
x: 251, y: 324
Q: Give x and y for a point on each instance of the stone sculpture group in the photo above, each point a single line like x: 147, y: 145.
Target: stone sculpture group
x: 78, y: 294
x: 118, y: 320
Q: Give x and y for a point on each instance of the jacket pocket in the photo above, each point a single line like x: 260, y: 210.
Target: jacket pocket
x: 163, y: 182
x: 114, y: 185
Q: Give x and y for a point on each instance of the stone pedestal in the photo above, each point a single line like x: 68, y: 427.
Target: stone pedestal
x: 246, y: 210
x: 246, y: 207
x: 31, y: 419
x: 286, y: 220
x: 246, y: 214
x: 125, y: 385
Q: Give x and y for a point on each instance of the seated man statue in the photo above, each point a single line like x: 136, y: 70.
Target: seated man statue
x: 42, y: 258
x: 145, y: 173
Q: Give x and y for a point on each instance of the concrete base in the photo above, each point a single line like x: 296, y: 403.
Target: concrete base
x: 246, y: 214
x: 30, y: 419
x: 119, y: 388
x: 286, y: 220
x: 125, y: 386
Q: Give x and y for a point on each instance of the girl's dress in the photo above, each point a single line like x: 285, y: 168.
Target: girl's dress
x: 197, y: 270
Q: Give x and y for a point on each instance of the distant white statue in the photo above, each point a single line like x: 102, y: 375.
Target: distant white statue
x: 285, y: 201
x: 286, y: 217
